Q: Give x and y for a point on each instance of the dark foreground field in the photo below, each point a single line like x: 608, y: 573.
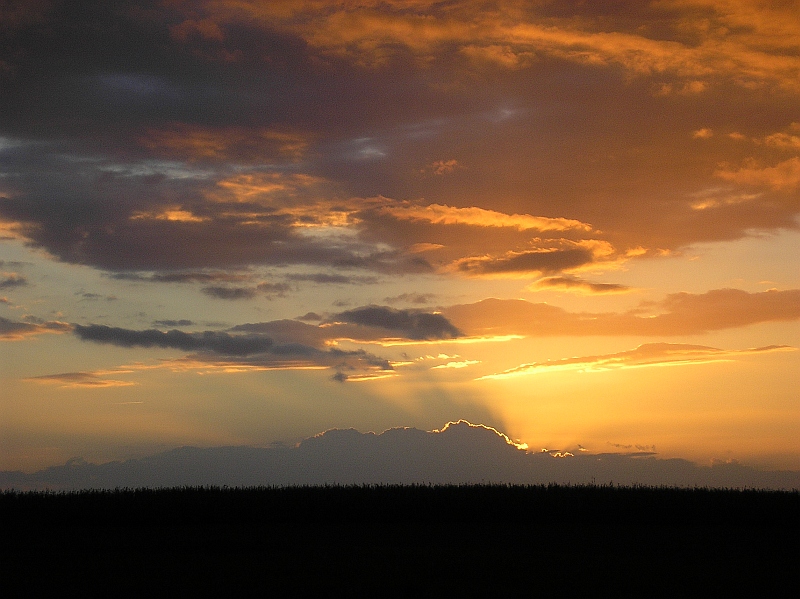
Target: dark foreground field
x: 404, y: 540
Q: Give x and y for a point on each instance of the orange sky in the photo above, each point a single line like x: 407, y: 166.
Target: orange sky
x: 240, y: 222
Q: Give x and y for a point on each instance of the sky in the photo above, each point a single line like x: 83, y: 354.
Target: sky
x: 231, y: 222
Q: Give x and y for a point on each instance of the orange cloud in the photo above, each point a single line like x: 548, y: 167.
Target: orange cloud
x: 694, y: 40
x: 479, y: 217
x: 575, y: 285
x: 204, y: 28
x: 195, y: 142
x: 677, y: 314
x: 80, y: 380
x: 786, y: 140
x: 442, y: 167
x: 646, y: 355
x: 16, y: 331
x: 783, y: 176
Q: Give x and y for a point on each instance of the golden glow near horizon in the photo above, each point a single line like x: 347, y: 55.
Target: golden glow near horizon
x: 513, y: 214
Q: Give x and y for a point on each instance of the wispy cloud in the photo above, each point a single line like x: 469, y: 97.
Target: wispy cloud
x: 646, y: 355
x: 576, y: 285
x: 289, y: 343
x: 81, y: 380
x: 11, y: 280
x: 11, y: 330
x: 677, y: 314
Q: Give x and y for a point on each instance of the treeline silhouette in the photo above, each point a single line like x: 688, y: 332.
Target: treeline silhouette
x: 413, y: 540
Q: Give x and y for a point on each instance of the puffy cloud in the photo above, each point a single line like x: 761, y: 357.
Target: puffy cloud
x: 648, y: 354
x: 783, y: 176
x: 692, y: 39
x: 443, y: 167
x: 226, y: 134
x: 458, y: 453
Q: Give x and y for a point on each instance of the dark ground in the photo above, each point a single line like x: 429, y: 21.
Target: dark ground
x: 403, y: 541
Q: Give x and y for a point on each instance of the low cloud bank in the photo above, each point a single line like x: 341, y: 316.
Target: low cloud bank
x: 460, y: 453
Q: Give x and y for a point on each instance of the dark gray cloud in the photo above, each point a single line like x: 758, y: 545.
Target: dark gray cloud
x: 231, y: 293
x: 580, y: 285
x: 539, y: 261
x: 411, y: 298
x: 214, y: 341
x: 13, y: 280
x: 118, y: 113
x: 277, y: 344
x: 240, y: 293
x: 88, y: 296
x: 273, y: 289
x: 310, y: 317
x: 10, y: 329
x: 324, y: 278
x: 173, y: 323
x: 460, y: 453
x: 15, y: 330
x: 182, y: 277
x: 412, y: 324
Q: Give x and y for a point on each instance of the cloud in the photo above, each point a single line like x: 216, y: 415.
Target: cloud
x: 231, y: 293
x: 11, y: 280
x: 526, y: 262
x: 411, y: 324
x: 478, y: 217
x: 322, y: 278
x: 783, y: 176
x: 677, y: 314
x: 288, y: 343
x: 443, y: 167
x: 646, y: 355
x: 458, y: 453
x: 219, y: 135
x: 578, y: 285
x: 310, y: 317
x: 194, y: 143
x: 80, y: 380
x: 785, y: 140
x: 90, y: 297
x: 214, y: 341
x: 173, y: 323
x: 411, y: 298
x: 733, y: 42
x: 183, y: 277
x: 245, y: 349
x: 15, y: 331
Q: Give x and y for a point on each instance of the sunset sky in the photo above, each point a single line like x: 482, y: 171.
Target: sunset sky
x: 238, y: 222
